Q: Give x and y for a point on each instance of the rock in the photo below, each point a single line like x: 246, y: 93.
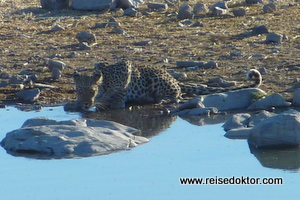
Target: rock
x: 221, y: 82
x: 197, y: 24
x: 210, y: 64
x: 119, y: 31
x: 262, y: 29
x: 86, y: 36
x: 219, y: 11
x: 179, y: 75
x: 18, y: 79
x: 56, y: 74
x: 143, y: 43
x: 189, y: 64
x: 43, y: 86
x: 273, y: 100
x: 296, y: 98
x: 202, y: 111
x: 84, y: 46
x: 239, y: 120
x: 256, y: 119
x: 200, y: 8
x: 73, y: 138
x: 29, y: 95
x: 73, y: 54
x: 270, y: 7
x: 57, y: 28
x: 131, y: 12
x: 125, y: 4
x: 55, y: 64
x: 92, y: 4
x: 274, y: 38
x: 105, y: 24
x: 157, y: 6
x: 282, y: 130
x: 54, y: 4
x: 3, y: 84
x: 239, y: 12
x: 190, y: 104
x: 254, y: 1
x: 220, y: 4
x: 239, y: 133
x: 240, y: 99
x: 185, y: 12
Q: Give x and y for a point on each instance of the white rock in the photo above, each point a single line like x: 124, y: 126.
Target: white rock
x: 282, y: 130
x: 239, y: 120
x: 73, y: 138
x: 273, y: 100
x: 240, y: 99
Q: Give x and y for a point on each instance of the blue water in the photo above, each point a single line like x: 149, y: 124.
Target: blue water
x: 150, y: 171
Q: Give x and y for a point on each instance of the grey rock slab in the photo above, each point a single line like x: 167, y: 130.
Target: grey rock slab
x: 73, y: 138
x: 238, y: 133
x: 273, y: 100
x: 274, y: 38
x: 29, y: 95
x: 234, y: 100
x: 280, y: 131
x: 239, y: 120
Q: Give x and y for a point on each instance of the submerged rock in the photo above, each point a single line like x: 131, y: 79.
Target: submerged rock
x: 73, y: 138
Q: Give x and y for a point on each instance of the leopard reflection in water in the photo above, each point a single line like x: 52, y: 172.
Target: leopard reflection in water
x: 149, y: 119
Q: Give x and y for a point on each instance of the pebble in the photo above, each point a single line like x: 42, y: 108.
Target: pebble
x: 18, y: 79
x: 105, y: 24
x: 200, y: 8
x: 86, y: 36
x: 157, y: 6
x: 210, y: 64
x: 254, y: 1
x: 197, y: 24
x: 239, y: 12
x: 143, y: 43
x: 73, y: 54
x: 84, y: 46
x: 274, y: 38
x: 29, y: 95
x: 56, y: 73
x: 131, y: 12
x: 119, y: 31
x: 57, y: 28
x: 189, y: 64
x: 185, y: 12
x: 270, y: 7
x: 56, y: 64
x: 221, y: 82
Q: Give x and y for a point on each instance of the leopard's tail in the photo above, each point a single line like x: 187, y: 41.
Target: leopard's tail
x: 199, y: 89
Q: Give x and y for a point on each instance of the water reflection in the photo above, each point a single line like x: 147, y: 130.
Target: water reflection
x: 286, y: 159
x: 150, y: 120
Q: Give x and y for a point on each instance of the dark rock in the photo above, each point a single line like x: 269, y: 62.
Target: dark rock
x: 262, y: 29
x: 185, y: 12
x: 29, y: 95
x: 274, y: 38
x: 270, y: 7
x: 254, y: 1
x: 239, y: 12
x: 86, y: 36
x: 200, y: 8
x: 54, y: 4
x: 18, y: 79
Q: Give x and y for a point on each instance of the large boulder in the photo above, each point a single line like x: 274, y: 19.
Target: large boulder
x: 74, y: 138
x: 282, y: 130
x: 104, y: 4
x: 234, y: 100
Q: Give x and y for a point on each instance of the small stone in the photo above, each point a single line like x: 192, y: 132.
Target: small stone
x: 119, y: 31
x: 157, y: 6
x: 189, y: 64
x: 143, y: 43
x: 219, y: 11
x: 3, y: 84
x: 200, y: 8
x: 54, y: 4
x: 29, y: 95
x: 239, y: 12
x: 270, y: 7
x: 131, y: 12
x: 185, y: 12
x: 262, y: 29
x: 56, y: 64
x: 112, y: 19
x: 86, y: 36
x: 211, y: 64
x: 220, y: 4
x: 274, y: 38
x: 197, y: 24
x: 58, y: 28
x: 56, y: 73
x: 254, y: 1
x: 84, y: 46
x: 179, y: 75
x: 73, y: 54
x: 18, y: 79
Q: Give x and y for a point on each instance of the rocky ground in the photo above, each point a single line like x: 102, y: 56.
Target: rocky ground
x: 30, y: 36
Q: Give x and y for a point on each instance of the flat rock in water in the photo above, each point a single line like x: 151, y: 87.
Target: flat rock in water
x: 234, y: 100
x: 239, y: 133
x: 48, y: 138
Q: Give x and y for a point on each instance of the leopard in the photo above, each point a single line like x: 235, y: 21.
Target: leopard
x: 115, y: 86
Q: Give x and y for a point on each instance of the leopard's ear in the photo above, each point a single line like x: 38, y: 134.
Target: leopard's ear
x: 97, y: 75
